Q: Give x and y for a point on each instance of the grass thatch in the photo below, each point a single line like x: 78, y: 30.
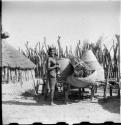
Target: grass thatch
x: 13, y: 58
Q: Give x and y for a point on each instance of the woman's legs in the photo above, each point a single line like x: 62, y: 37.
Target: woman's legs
x: 52, y: 82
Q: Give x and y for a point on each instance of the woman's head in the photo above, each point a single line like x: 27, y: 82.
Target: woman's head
x: 51, y: 51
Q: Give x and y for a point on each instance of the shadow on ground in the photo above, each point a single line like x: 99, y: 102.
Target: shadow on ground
x: 25, y: 102
x: 38, y: 100
x: 111, y: 104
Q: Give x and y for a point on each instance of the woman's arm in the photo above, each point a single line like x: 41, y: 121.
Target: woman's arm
x: 51, y: 67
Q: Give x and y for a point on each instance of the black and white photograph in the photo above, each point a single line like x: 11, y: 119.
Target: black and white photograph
x: 60, y: 61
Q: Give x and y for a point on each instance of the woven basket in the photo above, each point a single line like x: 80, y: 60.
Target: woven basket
x: 66, y: 68
x: 80, y: 68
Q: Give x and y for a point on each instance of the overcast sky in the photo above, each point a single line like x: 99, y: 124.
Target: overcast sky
x: 73, y: 21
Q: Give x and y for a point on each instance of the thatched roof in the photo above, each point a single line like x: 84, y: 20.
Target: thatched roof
x: 13, y: 58
x: 89, y: 58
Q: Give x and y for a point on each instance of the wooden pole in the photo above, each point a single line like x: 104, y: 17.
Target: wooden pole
x: 105, y: 88
x: 8, y: 75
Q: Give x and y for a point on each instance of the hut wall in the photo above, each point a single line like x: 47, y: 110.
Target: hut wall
x: 17, y: 75
x: 4, y: 74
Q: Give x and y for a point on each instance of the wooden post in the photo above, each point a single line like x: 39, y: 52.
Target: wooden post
x: 16, y: 75
x: 83, y: 90
x: 105, y: 88
x: 3, y: 73
x: 7, y: 75
x: 66, y: 92
x: 95, y: 88
x: 25, y: 71
x: 19, y: 75
x: 110, y: 91
x: 80, y: 93
x: 43, y: 86
x: 5, y: 69
x: 118, y: 79
x: 10, y: 74
x: 92, y: 92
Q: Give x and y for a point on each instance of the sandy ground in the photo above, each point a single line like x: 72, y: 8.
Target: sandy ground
x: 31, y: 109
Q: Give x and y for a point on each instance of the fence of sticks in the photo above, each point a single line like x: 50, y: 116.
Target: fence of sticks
x: 110, y: 64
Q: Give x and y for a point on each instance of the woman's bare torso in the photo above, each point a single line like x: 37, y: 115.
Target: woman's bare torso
x: 51, y: 62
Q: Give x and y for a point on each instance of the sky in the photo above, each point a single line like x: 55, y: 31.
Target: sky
x: 73, y: 21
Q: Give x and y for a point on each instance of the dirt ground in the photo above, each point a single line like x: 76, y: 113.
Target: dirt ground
x: 28, y: 109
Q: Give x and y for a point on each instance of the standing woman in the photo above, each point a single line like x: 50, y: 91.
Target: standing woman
x: 51, y: 72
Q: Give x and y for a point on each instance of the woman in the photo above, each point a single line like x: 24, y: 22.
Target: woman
x: 51, y: 72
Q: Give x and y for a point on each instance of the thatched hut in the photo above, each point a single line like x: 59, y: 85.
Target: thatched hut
x: 89, y: 58
x: 15, y: 66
